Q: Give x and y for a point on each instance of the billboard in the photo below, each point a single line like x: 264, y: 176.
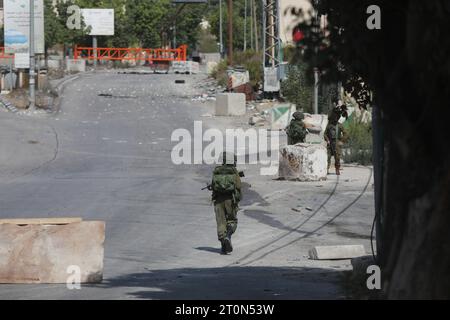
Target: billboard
x: 101, y: 21
x: 17, y: 29
x: 17, y: 25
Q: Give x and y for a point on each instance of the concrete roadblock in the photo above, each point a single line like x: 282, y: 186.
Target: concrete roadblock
x: 230, y: 104
x: 78, y: 65
x: 303, y: 162
x: 337, y: 252
x: 51, y: 250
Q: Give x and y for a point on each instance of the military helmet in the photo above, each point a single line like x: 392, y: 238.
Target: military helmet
x: 298, y: 115
x: 229, y: 158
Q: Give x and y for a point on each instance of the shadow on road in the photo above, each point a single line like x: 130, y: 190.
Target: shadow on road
x: 209, y: 249
x: 265, y: 283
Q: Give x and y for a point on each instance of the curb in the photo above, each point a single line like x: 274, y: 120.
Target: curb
x: 8, y: 105
x: 58, y: 89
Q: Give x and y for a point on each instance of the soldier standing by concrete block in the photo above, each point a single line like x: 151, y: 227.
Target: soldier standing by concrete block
x: 335, y: 136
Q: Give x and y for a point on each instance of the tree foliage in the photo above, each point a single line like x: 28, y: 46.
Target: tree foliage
x: 138, y: 23
x: 238, y: 21
x: 55, y: 19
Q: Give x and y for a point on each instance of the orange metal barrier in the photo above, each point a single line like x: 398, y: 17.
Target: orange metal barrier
x: 139, y: 54
x: 4, y: 55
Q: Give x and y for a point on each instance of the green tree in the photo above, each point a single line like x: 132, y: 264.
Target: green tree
x: 298, y: 87
x: 405, y: 64
x: 56, y: 31
x: 238, y: 21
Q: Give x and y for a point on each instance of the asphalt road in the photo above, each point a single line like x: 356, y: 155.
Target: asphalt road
x: 106, y: 157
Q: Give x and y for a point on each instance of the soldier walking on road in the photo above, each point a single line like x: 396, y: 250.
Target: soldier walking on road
x: 335, y: 136
x: 296, y: 131
x: 226, y: 188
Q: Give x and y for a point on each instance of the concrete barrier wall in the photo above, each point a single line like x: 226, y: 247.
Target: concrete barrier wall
x: 40, y: 253
x: 230, y: 104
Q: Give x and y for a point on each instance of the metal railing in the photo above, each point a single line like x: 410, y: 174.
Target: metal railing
x: 128, y: 54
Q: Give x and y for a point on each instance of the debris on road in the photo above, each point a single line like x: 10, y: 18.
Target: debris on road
x: 337, y: 252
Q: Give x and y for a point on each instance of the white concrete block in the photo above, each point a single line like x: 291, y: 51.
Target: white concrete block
x: 303, y: 162
x: 42, y: 253
x: 230, y: 104
x: 54, y: 64
x: 78, y: 65
x: 188, y: 67
x: 337, y: 252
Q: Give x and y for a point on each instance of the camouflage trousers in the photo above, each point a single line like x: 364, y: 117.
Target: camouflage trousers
x: 337, y: 156
x: 226, y: 217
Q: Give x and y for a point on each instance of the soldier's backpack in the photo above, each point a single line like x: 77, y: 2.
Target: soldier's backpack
x: 297, y: 131
x: 224, y: 180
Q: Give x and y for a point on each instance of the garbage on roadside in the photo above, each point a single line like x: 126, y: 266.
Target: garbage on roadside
x: 237, y: 76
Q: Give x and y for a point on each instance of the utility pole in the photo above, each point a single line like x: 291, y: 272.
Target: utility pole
x: 255, y: 22
x: 316, y: 91
x: 174, y: 34
x: 95, y: 45
x: 251, y: 24
x: 245, y: 27
x: 221, y: 29
x: 32, y: 61
x: 316, y: 70
x: 230, y: 32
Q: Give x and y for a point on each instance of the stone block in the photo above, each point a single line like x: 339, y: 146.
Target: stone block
x: 230, y: 104
x: 78, y: 65
x: 337, y: 252
x: 53, y: 64
x: 42, y: 253
x: 303, y: 162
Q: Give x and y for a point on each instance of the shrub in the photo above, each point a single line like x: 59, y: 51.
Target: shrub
x: 298, y: 89
x: 358, y: 148
x: 249, y: 59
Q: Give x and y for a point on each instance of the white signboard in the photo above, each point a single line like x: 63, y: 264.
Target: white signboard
x: 17, y: 29
x: 271, y: 80
x: 101, y: 21
x: 22, y: 60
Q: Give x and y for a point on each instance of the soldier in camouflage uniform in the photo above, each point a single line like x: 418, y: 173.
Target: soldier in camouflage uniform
x: 296, y: 131
x: 335, y: 136
x: 226, y: 188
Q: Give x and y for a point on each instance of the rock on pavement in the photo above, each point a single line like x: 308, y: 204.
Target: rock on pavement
x: 303, y: 162
x: 337, y: 252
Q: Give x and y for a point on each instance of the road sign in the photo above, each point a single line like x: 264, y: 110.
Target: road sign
x: 101, y: 21
x: 17, y: 29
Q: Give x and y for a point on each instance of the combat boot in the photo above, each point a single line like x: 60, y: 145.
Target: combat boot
x: 223, y: 250
x: 338, y: 172
x: 228, y: 245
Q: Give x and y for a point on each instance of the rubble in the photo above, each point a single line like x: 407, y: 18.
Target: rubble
x: 303, y: 162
